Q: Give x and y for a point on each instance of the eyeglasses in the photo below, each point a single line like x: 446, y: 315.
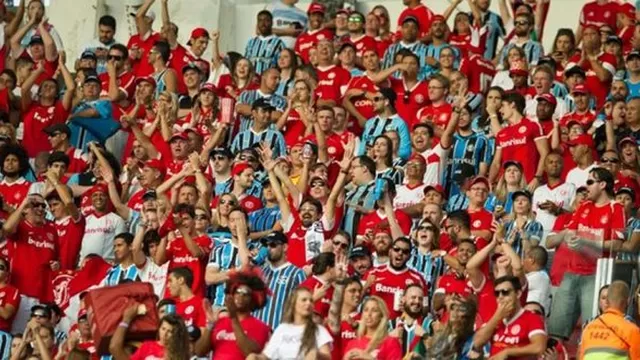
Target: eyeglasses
x: 114, y: 57
x: 426, y: 227
x: 340, y: 244
x: 201, y: 217
x: 38, y: 205
x: 402, y: 251
x: 502, y: 292
x: 521, y: 23
x: 609, y: 160
x: 227, y: 202
x: 592, y: 181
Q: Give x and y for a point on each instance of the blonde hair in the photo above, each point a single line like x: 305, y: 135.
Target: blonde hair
x: 308, y: 341
x: 173, y: 105
x: 383, y: 327
x: 501, y: 191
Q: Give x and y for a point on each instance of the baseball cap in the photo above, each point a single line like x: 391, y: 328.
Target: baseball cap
x: 613, y: 38
x: 41, y: 310
x: 548, y: 98
x: 634, y: 53
x: 156, y: 165
x: 438, y: 18
x: 575, y: 70
x: 417, y: 157
x: 626, y: 190
x: 208, y: 87
x: 580, y: 89
x: 413, y: 19
x: 222, y: 151
x: 148, y: 79
x: 92, y: 78
x: 262, y: 103
x: 480, y: 179
x: 194, y: 333
x: 548, y: 60
x: 345, y: 45
x: 512, y: 163
x: 437, y: 188
x: 582, y: 139
x: 191, y: 66
x: 626, y: 140
x: 518, y: 193
x: 179, y: 135
x: 343, y: 11
x: 518, y: 68
x: 198, y: 33
x: 275, y: 237
x: 149, y: 195
x: 58, y: 128
x: 359, y: 251
x: 316, y: 8
x: 88, y: 54
x: 239, y: 167
x: 36, y: 39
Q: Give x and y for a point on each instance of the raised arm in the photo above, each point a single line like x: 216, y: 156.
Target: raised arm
x: 452, y: 7
x: 202, y: 184
x: 65, y: 194
x: 25, y: 89
x: 16, y: 47
x: 143, y: 27
x: 50, y: 50
x: 164, y: 13
x: 11, y: 225
x: 139, y: 259
x: 67, y: 98
x: 12, y: 26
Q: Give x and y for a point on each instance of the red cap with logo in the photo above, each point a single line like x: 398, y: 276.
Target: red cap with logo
x: 156, y: 164
x: 198, y: 33
x: 418, y: 157
x: 437, y: 188
x: 582, y: 139
x: 580, y: 89
x: 315, y: 7
x: 626, y: 140
x: 548, y: 98
x: 179, y: 135
x: 148, y: 79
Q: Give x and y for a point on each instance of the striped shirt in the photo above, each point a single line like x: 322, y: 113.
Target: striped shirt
x: 418, y: 48
x: 361, y: 195
x: 461, y: 202
x: 532, y: 49
x: 409, y: 333
x: 284, y: 16
x: 282, y: 281
x: 264, y: 219
x: 150, y: 272
x: 633, y: 226
x: 263, y: 52
x: 532, y: 230
x: 272, y: 138
x: 429, y: 267
x: 5, y: 345
x: 495, y: 31
x: 224, y: 257
x: 376, y: 126
x: 249, y: 96
x: 466, y: 155
x: 393, y: 173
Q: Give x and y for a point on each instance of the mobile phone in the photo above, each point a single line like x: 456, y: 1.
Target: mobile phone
x: 551, y: 343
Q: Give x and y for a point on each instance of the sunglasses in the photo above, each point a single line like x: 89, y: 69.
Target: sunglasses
x: 355, y: 19
x: 318, y: 184
x: 503, y: 292
x: 340, y: 244
x: 610, y: 160
x: 38, y: 205
x: 114, y: 57
x: 274, y: 244
x: 377, y: 98
x: 426, y: 227
x: 402, y: 251
x: 229, y: 202
x: 591, y: 182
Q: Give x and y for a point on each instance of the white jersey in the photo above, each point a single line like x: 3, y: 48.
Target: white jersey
x: 407, y: 196
x: 436, y: 161
x: 99, y: 235
x: 562, y: 195
x: 578, y: 177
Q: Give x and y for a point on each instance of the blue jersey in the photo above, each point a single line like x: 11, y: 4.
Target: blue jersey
x: 633, y: 226
x: 495, y: 31
x: 161, y: 83
x: 264, y: 219
x: 431, y: 268
x: 531, y: 230
x: 224, y: 257
x: 532, y: 50
x: 118, y: 275
x: 247, y: 97
x: 285, y: 16
x: 418, y: 48
x: 461, y: 202
x: 466, y: 155
x: 634, y: 89
x: 559, y: 90
x: 263, y: 52
x: 393, y: 173
x: 248, y: 138
x: 376, y: 126
x: 282, y: 281
x: 362, y: 195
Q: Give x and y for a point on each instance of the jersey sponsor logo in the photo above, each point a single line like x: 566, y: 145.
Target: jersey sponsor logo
x: 184, y: 259
x: 515, y: 330
x: 419, y: 98
x: 40, y: 244
x: 514, y: 142
x: 508, y: 340
x: 325, y: 82
x: 305, y: 46
x: 607, y: 14
x: 226, y: 336
x: 363, y: 103
x: 189, y: 310
x: 387, y: 289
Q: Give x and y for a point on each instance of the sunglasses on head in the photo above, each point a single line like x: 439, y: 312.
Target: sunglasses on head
x: 502, y: 292
x: 114, y: 57
x: 402, y: 250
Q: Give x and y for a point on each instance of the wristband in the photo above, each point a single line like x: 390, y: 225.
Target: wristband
x: 123, y: 324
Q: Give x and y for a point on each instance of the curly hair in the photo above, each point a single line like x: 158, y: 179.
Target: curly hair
x: 178, y: 346
x: 19, y: 152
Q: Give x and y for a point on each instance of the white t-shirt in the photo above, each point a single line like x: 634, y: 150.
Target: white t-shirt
x: 562, y: 195
x: 532, y: 105
x: 407, y: 196
x: 578, y: 177
x: 286, y: 340
x: 436, y: 158
x: 99, y: 234
x: 539, y: 289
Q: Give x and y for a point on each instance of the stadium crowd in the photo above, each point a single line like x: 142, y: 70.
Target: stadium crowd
x: 348, y: 186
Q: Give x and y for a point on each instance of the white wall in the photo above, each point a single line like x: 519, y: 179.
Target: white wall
x: 76, y: 19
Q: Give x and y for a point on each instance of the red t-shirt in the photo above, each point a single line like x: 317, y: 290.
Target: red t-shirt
x: 472, y: 42
x: 584, y: 119
x: 363, y: 43
x: 452, y: 283
x: 389, y: 348
x: 78, y: 161
x: 439, y: 114
x: 179, y: 255
x: 518, y: 143
x: 363, y: 105
x: 308, y: 40
x: 135, y: 202
x: 178, y: 60
x: 321, y: 306
x: 594, y: 14
x: 595, y: 223
x: 13, y: 193
x: 479, y: 73
x: 294, y: 129
x: 517, y: 332
x: 420, y: 12
x: 563, y: 253
x: 191, y: 311
x: 36, y: 119
x: 70, y: 234
x: 376, y: 220
x: 389, y: 282
x: 141, y: 67
x: 9, y: 295
x: 149, y: 350
x: 31, y: 250
x: 298, y: 251
x: 126, y: 83
x: 332, y: 81
x: 480, y: 219
x: 409, y: 101
x: 599, y: 89
x: 223, y: 340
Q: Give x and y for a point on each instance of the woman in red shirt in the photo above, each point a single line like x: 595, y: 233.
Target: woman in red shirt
x: 373, y: 341
x: 173, y: 339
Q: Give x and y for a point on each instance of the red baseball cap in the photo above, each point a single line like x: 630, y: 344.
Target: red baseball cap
x: 418, y: 157
x: 198, y: 33
x: 343, y: 11
x: 548, y: 98
x: 208, y: 87
x: 148, y: 79
x: 480, y: 179
x: 438, y: 18
x: 315, y: 7
x: 437, y: 188
x: 239, y: 167
x: 582, y: 139
x: 156, y: 164
x: 625, y: 140
x: 580, y: 89
x: 179, y: 135
x: 99, y: 187
x: 456, y: 287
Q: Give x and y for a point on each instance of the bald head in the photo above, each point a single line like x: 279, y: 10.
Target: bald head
x: 618, y: 295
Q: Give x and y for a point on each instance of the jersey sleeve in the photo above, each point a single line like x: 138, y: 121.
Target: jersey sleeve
x: 536, y: 326
x: 618, y: 222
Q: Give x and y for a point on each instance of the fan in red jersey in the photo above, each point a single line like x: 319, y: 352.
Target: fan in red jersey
x: 14, y: 187
x: 316, y: 32
x: 140, y: 44
x: 514, y: 333
x: 332, y: 79
x: 9, y: 301
x: 361, y: 41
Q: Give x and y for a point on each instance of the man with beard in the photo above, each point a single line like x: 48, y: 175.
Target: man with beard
x: 361, y: 41
x: 360, y: 261
x: 524, y: 23
x: 264, y: 49
x: 409, y: 198
x: 409, y: 41
x: 394, y: 277
x: 386, y: 119
x: 545, y: 109
x: 14, y: 188
x: 281, y: 276
x: 315, y: 33
x: 408, y: 327
x: 248, y: 98
x: 102, y: 225
x: 99, y: 47
x: 32, y: 252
